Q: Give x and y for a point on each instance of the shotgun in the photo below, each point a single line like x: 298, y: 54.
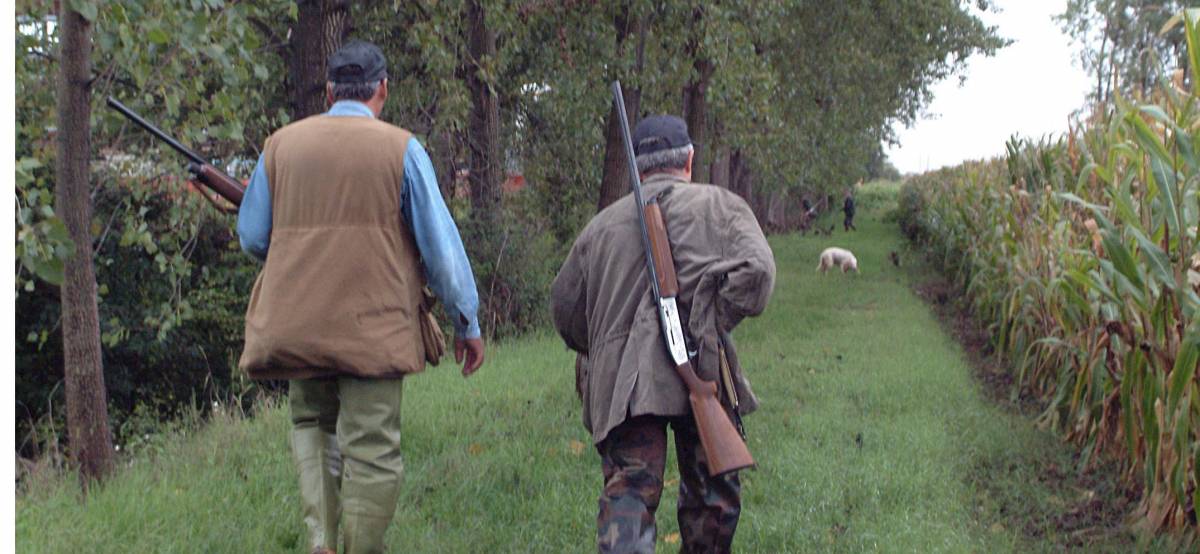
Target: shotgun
x: 723, y: 444
x: 202, y: 171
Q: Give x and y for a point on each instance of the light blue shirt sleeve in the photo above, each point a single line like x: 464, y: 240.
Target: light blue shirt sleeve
x: 446, y: 266
x: 254, y: 215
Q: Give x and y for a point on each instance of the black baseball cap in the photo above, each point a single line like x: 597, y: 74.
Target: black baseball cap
x: 357, y: 62
x: 659, y: 132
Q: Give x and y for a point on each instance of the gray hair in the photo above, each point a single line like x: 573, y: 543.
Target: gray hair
x: 673, y: 158
x: 354, y: 91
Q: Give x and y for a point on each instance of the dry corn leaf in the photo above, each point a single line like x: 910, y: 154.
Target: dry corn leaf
x: 577, y: 447
x: 673, y: 538
x: 475, y: 449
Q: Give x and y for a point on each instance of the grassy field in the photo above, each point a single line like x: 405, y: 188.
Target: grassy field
x: 873, y: 436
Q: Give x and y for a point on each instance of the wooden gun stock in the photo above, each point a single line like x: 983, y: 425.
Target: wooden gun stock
x: 660, y: 249
x: 723, y: 444
x: 220, y: 183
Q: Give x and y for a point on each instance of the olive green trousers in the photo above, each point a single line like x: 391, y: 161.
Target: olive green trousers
x: 346, y: 441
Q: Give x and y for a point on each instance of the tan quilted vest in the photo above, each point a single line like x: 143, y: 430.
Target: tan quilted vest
x: 341, y: 285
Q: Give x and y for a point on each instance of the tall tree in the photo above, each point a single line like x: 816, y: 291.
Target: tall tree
x: 630, y: 28
x: 695, y: 94
x: 1122, y: 44
x: 87, y: 411
x: 483, y: 129
x: 321, y: 27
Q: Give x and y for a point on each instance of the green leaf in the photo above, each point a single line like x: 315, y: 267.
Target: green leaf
x: 158, y: 36
x: 51, y: 270
x: 1146, y: 136
x: 1155, y: 258
x: 1185, y: 368
x: 1126, y: 396
x: 1156, y: 112
x: 1186, y: 148
x: 1171, y: 24
x: 1096, y: 208
x: 56, y: 231
x: 86, y: 8
x: 1164, y: 174
x: 1193, y: 42
x: 1124, y: 207
x: 28, y: 164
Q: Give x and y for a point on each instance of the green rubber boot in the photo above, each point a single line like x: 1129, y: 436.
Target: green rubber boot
x: 368, y: 431
x: 314, y: 404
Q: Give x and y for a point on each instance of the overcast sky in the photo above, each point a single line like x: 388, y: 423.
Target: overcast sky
x: 1028, y: 88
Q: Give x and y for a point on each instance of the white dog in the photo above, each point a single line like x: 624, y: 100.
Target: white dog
x: 840, y: 257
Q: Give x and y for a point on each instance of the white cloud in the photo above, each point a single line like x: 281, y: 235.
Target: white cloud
x: 1029, y: 88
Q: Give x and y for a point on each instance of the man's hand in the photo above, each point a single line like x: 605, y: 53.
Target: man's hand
x: 473, y: 348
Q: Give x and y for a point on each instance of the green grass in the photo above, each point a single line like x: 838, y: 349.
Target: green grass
x: 872, y: 436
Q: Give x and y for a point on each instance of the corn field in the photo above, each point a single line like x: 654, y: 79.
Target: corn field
x: 1081, y: 255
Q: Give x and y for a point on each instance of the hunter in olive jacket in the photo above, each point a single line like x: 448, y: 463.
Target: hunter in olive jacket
x: 604, y: 308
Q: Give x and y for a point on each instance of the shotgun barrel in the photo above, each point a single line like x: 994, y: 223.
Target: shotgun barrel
x: 202, y: 171
x: 724, y: 448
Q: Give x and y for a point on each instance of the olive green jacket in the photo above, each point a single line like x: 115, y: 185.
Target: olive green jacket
x: 604, y: 308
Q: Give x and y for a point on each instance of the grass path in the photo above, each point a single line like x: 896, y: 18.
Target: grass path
x: 872, y: 436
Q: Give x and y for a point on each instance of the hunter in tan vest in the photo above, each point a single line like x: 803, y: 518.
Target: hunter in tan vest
x: 346, y: 213
x: 341, y: 286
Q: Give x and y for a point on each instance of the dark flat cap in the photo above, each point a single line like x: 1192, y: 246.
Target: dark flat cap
x: 659, y: 132
x: 357, y: 62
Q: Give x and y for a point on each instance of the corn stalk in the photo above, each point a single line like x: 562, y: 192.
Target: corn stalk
x: 1081, y: 254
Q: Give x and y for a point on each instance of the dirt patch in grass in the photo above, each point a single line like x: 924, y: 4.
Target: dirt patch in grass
x: 1050, y: 495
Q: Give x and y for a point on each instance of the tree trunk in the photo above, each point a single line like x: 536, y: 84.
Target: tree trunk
x: 1101, y: 96
x: 695, y: 101
x: 321, y: 27
x: 615, y: 180
x: 741, y: 181
x: 739, y: 174
x: 444, y: 156
x: 484, y: 124
x: 87, y: 409
x: 721, y: 172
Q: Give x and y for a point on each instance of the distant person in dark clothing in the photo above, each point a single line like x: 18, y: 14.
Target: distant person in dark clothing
x: 848, y: 208
x: 807, y: 215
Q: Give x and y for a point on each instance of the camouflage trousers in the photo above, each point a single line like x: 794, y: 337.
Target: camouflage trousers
x: 633, y: 457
